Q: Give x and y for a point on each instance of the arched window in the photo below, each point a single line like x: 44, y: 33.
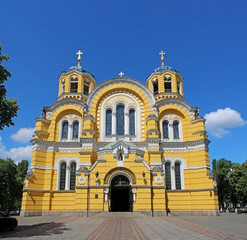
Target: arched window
x: 155, y: 86
x: 63, y: 86
x: 75, y: 129
x: 177, y: 176
x: 132, y: 122
x: 73, y: 84
x: 62, y: 176
x: 120, y: 120
x: 165, y: 129
x: 178, y: 86
x: 72, y: 176
x: 168, y: 175
x: 168, y: 83
x: 86, y: 87
x: 175, y: 130
x: 65, y: 129
x: 108, y: 130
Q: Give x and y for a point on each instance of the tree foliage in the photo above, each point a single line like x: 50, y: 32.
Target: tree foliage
x: 231, y: 181
x: 11, y: 183
x: 8, y: 107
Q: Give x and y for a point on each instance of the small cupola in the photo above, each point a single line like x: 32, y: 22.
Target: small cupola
x: 76, y: 82
x: 165, y: 82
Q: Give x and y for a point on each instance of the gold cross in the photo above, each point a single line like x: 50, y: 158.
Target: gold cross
x: 162, y: 58
x: 121, y: 74
x: 79, y: 53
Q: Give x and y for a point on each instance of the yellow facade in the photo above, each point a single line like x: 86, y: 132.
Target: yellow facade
x: 120, y: 146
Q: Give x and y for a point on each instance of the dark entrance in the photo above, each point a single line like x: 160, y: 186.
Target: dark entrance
x: 120, y: 194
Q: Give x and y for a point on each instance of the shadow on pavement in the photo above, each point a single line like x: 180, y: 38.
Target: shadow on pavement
x: 41, y: 229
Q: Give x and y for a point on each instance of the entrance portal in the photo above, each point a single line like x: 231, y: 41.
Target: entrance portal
x: 120, y: 194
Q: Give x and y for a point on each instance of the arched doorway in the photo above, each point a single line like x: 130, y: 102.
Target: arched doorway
x: 120, y: 194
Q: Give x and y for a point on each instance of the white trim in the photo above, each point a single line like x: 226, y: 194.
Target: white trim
x: 155, y: 164
x: 197, y: 167
x: 117, y: 174
x: 170, y: 118
x: 111, y: 102
x: 85, y: 164
x: 93, y: 166
x: 42, y: 167
x: 70, y: 118
x: 172, y: 161
x: 146, y: 165
x: 130, y: 84
x: 68, y: 162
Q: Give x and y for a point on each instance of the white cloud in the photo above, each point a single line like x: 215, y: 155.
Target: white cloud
x: 23, y: 135
x: 218, y: 123
x: 16, y: 154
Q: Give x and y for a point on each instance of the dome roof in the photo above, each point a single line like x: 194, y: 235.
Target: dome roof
x: 163, y: 68
x: 76, y: 68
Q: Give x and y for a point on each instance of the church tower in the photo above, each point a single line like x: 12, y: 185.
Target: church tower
x: 120, y: 146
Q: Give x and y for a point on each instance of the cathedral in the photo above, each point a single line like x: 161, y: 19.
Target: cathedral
x: 120, y: 146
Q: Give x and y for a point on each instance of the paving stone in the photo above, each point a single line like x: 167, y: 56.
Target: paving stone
x: 126, y: 226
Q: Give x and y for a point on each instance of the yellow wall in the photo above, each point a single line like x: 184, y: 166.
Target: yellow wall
x: 41, y: 193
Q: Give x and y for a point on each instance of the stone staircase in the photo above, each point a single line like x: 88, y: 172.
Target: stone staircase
x: 120, y: 215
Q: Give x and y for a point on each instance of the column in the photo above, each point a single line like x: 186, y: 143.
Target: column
x: 126, y: 123
x: 67, y: 181
x: 106, y: 191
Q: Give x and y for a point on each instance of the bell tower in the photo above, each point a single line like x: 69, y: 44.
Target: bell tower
x: 165, y: 82
x: 76, y: 82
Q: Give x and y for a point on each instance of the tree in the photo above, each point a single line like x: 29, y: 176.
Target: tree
x: 231, y: 181
x: 22, y: 168
x: 8, y: 183
x: 238, y: 184
x: 222, y: 170
x: 11, y: 183
x: 8, y: 107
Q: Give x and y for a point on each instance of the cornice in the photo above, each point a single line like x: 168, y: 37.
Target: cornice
x: 198, y: 119
x: 185, y: 146
x: 192, y: 111
x: 65, y: 73
x: 60, y: 103
x: 42, y: 119
x: 162, y: 72
x: 56, y: 146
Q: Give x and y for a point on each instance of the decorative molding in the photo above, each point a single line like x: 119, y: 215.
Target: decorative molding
x: 158, y: 180
x: 128, y: 148
x: 197, y: 167
x: 192, y: 111
x: 85, y: 163
x: 68, y: 101
x: 117, y: 171
x: 81, y: 180
x: 166, y: 69
x: 202, y: 133
x: 42, y: 119
x: 198, y: 119
x: 39, y: 133
x: 126, y: 81
x: 42, y: 167
x: 151, y: 117
x: 150, y: 131
x: 82, y: 73
x: 155, y: 163
x: 185, y: 146
x: 89, y: 117
x: 84, y: 132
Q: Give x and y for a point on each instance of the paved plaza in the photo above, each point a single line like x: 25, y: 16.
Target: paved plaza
x: 127, y: 226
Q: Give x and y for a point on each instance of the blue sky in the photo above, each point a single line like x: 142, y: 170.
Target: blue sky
x: 204, y: 40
